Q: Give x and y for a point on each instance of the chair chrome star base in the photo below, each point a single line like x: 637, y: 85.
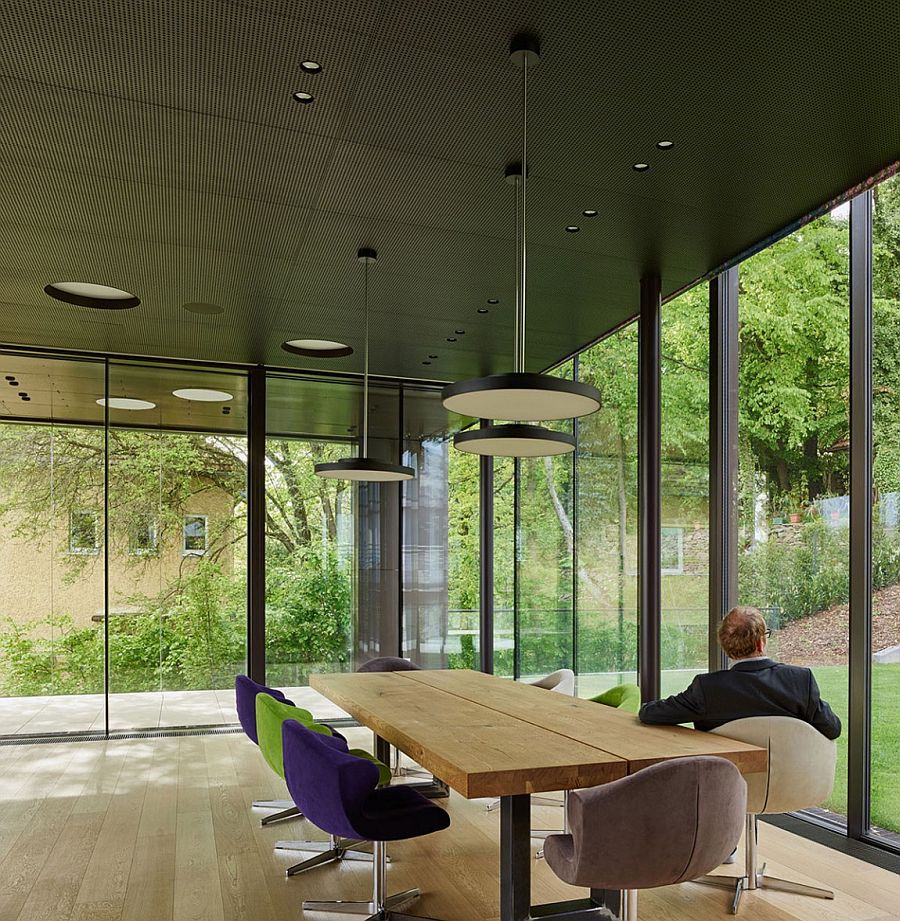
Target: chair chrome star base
x: 325, y: 852
x: 755, y: 878
x: 285, y: 810
x: 380, y: 907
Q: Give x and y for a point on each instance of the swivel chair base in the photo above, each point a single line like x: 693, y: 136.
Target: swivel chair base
x: 754, y: 878
x: 325, y: 852
x: 286, y: 810
x: 380, y: 907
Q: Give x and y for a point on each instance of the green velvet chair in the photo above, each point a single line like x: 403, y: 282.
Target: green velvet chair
x: 622, y: 697
x: 271, y: 714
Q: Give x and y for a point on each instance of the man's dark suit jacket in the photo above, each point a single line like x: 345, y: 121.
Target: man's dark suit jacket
x: 758, y: 687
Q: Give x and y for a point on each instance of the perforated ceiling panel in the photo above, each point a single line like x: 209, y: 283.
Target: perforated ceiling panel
x: 156, y: 147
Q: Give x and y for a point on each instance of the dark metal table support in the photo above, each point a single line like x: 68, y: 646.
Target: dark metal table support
x: 515, y: 874
x: 433, y: 789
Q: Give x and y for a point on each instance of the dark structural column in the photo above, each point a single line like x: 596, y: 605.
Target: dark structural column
x: 723, y: 454
x: 486, y: 556
x: 649, y: 436
x: 859, y: 742
x: 256, y: 527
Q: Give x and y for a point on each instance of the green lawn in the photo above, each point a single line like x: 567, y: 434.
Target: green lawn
x: 885, y: 740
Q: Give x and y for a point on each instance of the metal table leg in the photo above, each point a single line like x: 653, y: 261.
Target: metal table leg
x: 515, y: 874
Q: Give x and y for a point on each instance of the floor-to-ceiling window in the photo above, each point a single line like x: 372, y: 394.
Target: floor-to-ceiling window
x: 545, y: 546
x: 177, y: 544
x: 463, y: 559
x: 52, y: 548
x: 885, y: 718
x: 794, y: 433
x: 684, y: 512
x: 606, y: 514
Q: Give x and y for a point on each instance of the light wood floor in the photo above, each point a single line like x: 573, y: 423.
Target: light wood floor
x: 161, y: 829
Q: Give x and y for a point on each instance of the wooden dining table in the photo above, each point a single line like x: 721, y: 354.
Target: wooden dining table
x: 486, y: 736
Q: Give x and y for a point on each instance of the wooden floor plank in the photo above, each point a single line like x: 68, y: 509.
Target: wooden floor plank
x: 196, y: 852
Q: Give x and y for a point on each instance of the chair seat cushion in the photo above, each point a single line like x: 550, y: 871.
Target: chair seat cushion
x: 389, y: 664
x: 395, y: 813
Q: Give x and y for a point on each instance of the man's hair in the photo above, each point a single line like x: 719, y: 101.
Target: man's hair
x: 741, y: 631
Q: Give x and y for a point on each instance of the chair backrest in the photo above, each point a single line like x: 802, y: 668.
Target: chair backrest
x: 562, y: 681
x: 270, y: 715
x: 328, y: 785
x: 801, y: 763
x: 389, y: 664
x: 670, y: 822
x: 622, y: 697
x: 245, y: 691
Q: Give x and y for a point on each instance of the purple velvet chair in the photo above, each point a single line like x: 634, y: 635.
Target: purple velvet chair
x: 245, y: 691
x: 668, y: 823
x: 340, y: 794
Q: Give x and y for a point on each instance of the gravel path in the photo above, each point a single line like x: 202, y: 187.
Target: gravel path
x: 822, y: 638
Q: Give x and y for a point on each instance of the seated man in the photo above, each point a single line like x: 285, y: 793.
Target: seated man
x: 753, y: 686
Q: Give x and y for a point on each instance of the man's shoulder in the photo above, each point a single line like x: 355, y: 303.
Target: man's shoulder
x: 758, y: 666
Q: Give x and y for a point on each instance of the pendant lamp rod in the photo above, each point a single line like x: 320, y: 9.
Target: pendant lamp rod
x: 365, y: 445
x: 521, y: 195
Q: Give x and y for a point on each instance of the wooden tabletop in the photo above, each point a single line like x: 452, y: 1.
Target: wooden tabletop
x: 616, y: 731
x: 477, y: 750
x: 486, y: 736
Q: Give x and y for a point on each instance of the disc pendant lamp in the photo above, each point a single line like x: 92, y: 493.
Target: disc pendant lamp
x: 521, y: 397
x: 365, y: 468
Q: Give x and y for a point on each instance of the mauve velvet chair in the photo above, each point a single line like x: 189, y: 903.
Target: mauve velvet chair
x: 668, y: 823
x: 800, y: 775
x: 270, y: 717
x: 433, y: 788
x: 245, y: 692
x: 341, y: 795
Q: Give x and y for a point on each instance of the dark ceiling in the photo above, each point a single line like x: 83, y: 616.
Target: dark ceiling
x: 156, y: 147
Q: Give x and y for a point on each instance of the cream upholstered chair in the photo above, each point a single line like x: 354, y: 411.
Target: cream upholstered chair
x: 800, y: 775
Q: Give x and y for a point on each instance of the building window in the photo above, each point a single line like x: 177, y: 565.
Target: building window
x: 672, y: 551
x: 83, y: 532
x: 195, y: 534
x: 142, y: 538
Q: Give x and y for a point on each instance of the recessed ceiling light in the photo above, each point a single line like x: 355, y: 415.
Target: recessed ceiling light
x: 460, y: 332
x: 483, y: 310
x: 202, y: 396
x: 641, y: 167
x: 426, y: 362
x: 451, y: 338
x: 589, y: 212
x: 125, y: 403
x: 317, y: 348
x: 665, y: 145
x: 305, y: 98
x: 85, y: 294
x: 493, y: 300
x: 311, y: 67
x: 204, y: 310
x: 432, y: 356
x: 572, y: 229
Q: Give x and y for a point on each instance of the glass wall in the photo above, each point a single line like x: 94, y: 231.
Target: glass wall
x: 505, y: 514
x: 52, y: 549
x: 545, y: 548
x: 177, y: 532
x: 606, y: 514
x: 463, y: 561
x: 684, y: 513
x: 885, y: 721
x: 794, y: 437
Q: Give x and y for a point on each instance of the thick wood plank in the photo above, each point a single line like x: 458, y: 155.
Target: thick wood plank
x: 615, y: 731
x: 477, y: 750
